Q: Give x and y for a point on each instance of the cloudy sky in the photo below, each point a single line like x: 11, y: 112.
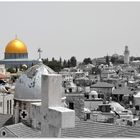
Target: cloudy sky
x: 81, y: 29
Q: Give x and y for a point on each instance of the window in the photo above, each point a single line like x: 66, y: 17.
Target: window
x: 70, y: 89
x: 39, y: 125
x: 3, y: 133
x: 7, y: 106
x: 88, y: 115
x: 120, y: 85
x: 137, y: 107
x: 0, y: 104
x: 71, y: 105
x: 86, y: 96
x: 10, y: 106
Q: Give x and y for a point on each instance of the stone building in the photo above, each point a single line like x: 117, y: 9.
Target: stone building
x: 75, y: 101
x: 6, y: 103
x: 103, y: 88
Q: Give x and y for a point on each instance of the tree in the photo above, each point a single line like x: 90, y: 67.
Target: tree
x: 107, y: 60
x: 11, y: 70
x: 96, y: 70
x: 120, y: 61
x: 65, y: 64
x: 60, y: 61
x: 55, y: 65
x: 73, y: 61
x: 45, y: 61
x: 53, y: 59
x: 68, y: 64
x: 132, y: 58
x: 113, y: 60
x: 87, y: 61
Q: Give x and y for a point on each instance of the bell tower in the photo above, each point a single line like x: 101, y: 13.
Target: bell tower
x: 126, y: 55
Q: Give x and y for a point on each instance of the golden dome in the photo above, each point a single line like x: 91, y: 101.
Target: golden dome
x: 16, y: 46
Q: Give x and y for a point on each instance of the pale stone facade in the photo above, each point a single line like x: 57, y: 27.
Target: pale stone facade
x: 6, y: 103
x: 53, y: 115
x: 76, y: 101
x: 36, y: 115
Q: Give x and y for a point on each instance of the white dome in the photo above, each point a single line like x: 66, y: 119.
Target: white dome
x: 93, y: 92
x: 28, y: 86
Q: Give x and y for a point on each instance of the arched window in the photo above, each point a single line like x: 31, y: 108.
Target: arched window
x: 7, y: 106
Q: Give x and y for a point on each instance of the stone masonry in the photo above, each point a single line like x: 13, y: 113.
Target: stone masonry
x: 78, y: 100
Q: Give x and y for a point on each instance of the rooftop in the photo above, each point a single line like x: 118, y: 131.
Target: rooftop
x: 82, y: 129
x: 102, y: 85
x: 21, y: 130
x: 5, y: 120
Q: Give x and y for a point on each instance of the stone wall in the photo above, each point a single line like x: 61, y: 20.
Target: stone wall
x: 93, y: 104
x: 78, y: 101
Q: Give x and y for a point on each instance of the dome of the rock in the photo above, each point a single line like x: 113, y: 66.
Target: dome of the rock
x: 16, y: 46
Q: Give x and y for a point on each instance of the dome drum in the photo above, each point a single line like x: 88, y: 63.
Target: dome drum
x: 16, y: 55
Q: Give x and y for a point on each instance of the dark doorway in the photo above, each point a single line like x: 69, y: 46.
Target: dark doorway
x: 88, y: 115
x: 71, y: 105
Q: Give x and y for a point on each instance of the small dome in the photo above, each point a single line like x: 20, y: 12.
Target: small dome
x: 16, y: 46
x: 93, y: 92
x: 115, y: 55
x: 28, y: 86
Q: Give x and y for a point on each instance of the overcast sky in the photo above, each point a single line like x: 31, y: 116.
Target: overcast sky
x: 81, y: 29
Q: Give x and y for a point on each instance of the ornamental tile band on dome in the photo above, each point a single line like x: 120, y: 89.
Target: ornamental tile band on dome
x: 28, y: 86
x: 16, y: 49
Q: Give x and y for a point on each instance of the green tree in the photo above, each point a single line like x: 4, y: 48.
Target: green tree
x: 53, y: 59
x: 113, y: 60
x: 132, y: 58
x: 65, y: 64
x: 73, y: 61
x: 68, y: 64
x: 45, y: 61
x: 96, y: 70
x: 87, y: 61
x: 60, y: 61
x: 11, y: 70
x: 107, y: 60
x: 55, y: 65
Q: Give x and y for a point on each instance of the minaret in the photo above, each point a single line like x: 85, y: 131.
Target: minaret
x: 126, y: 55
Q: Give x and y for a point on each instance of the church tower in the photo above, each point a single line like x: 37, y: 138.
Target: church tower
x: 126, y: 55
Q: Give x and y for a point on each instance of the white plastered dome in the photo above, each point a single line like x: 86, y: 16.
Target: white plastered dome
x: 28, y: 86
